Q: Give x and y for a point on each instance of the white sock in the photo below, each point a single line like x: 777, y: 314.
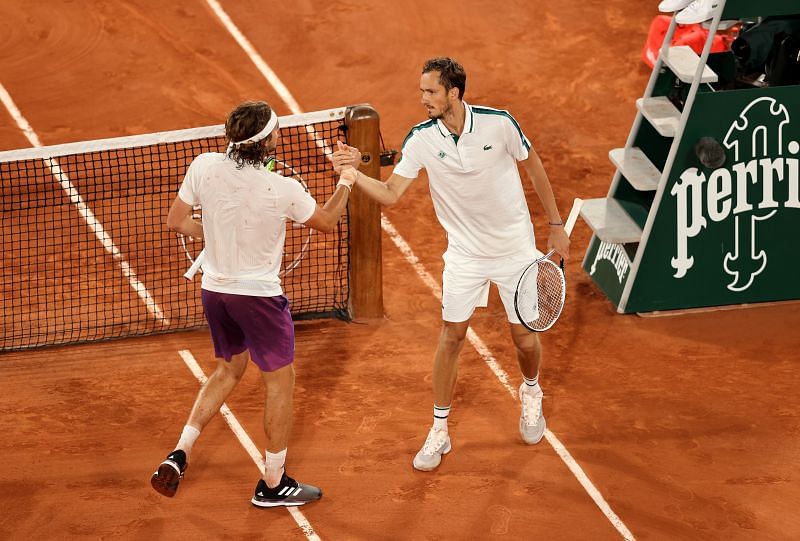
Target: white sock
x: 531, y: 384
x: 440, y: 415
x: 274, y: 468
x: 188, y: 437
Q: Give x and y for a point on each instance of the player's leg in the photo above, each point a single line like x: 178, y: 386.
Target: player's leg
x: 269, y: 331
x: 278, y: 409
x: 445, y: 371
x: 214, y: 393
x: 229, y: 347
x: 463, y: 289
x: 445, y: 362
x: 529, y: 355
x: 528, y: 349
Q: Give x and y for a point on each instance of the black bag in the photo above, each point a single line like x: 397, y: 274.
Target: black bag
x: 755, y: 44
x: 783, y: 64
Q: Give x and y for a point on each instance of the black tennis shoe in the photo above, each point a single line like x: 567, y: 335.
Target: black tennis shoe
x: 166, y: 478
x: 288, y: 493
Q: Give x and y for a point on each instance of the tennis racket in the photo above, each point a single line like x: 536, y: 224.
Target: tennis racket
x: 541, y: 289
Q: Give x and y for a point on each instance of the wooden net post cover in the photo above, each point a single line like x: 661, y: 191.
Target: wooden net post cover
x: 366, y: 279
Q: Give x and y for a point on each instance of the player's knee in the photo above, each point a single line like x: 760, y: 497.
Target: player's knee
x: 231, y: 370
x: 528, y: 344
x: 452, y: 339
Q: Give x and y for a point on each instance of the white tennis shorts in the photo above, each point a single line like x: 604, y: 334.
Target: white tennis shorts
x: 466, y: 281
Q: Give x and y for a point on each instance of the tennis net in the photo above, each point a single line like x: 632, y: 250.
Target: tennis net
x: 86, y: 254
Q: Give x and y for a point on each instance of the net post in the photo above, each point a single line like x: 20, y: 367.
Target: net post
x: 366, y: 280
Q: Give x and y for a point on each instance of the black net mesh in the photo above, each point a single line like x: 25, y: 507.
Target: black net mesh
x: 86, y: 254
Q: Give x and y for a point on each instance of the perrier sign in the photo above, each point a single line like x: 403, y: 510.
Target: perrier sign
x: 719, y: 236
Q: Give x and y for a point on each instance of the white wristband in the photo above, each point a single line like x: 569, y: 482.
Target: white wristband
x: 346, y: 183
x: 348, y: 178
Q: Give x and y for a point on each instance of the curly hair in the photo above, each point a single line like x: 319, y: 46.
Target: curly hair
x: 451, y: 73
x: 246, y: 120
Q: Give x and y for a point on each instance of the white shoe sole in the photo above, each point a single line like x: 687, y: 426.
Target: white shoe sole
x: 275, y: 504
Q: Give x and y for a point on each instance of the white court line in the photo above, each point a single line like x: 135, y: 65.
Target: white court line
x: 246, y: 441
x: 273, y: 80
x: 85, y: 212
x: 473, y: 338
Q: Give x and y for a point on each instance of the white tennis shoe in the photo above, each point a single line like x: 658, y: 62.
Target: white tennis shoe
x: 531, y: 419
x: 668, y: 6
x: 430, y: 456
x: 698, y: 11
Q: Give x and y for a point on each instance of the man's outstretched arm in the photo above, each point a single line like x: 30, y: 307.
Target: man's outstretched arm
x: 386, y: 193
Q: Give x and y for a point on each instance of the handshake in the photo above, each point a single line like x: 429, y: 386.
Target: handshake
x: 345, y: 162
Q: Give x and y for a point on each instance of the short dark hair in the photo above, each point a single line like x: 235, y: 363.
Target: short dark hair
x: 246, y: 120
x: 451, y: 73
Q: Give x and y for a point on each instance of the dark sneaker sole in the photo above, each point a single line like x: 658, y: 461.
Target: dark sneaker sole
x: 165, y: 480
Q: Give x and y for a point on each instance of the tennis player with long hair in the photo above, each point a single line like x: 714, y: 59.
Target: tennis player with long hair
x: 245, y: 208
x: 470, y: 154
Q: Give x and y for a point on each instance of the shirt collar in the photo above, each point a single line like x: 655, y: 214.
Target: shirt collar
x: 469, y: 122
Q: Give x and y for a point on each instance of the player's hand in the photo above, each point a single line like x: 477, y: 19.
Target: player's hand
x: 355, y: 155
x: 345, y: 156
x: 558, y: 241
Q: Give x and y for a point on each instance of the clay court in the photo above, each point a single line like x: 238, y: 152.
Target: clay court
x: 685, y: 427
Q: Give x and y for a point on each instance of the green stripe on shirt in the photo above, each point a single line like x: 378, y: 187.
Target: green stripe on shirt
x: 484, y: 111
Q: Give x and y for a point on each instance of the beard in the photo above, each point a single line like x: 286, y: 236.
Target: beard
x: 447, y: 110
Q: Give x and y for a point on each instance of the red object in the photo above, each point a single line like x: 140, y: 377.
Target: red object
x: 693, y: 35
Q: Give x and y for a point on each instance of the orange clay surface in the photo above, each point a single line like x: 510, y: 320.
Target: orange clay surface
x: 687, y: 426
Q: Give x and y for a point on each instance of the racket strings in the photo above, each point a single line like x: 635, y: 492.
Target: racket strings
x: 550, y: 295
x: 541, y: 295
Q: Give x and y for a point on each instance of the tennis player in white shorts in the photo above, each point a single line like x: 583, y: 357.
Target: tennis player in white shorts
x: 471, y: 154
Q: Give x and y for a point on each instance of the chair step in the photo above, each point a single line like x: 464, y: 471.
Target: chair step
x: 636, y: 167
x: 683, y: 61
x: 661, y: 113
x: 609, y: 221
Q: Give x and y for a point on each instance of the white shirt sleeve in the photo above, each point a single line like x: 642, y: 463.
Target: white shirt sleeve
x: 300, y: 206
x: 516, y: 142
x: 189, y: 187
x: 409, y: 164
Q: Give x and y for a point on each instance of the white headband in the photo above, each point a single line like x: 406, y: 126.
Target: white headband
x: 271, y: 123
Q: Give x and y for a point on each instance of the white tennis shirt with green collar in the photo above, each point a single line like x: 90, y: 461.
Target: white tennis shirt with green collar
x: 474, y: 181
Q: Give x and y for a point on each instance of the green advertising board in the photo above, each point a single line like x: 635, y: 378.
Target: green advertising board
x: 717, y: 236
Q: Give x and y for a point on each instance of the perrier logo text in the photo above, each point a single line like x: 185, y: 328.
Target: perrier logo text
x: 763, y: 160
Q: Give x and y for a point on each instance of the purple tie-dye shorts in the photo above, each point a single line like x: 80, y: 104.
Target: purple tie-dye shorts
x: 261, y: 325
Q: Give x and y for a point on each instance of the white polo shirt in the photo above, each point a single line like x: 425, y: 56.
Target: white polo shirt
x: 244, y: 222
x: 474, y: 181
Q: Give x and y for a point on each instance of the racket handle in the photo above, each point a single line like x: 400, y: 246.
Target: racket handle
x: 198, y: 262
x: 573, y: 215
